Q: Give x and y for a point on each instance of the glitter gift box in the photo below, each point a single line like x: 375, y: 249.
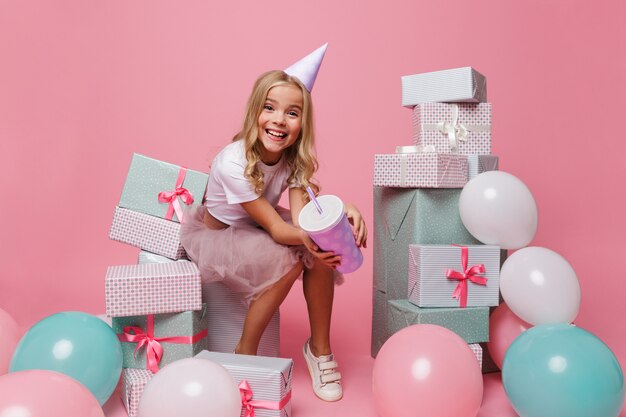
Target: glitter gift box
x: 454, y: 276
x: 180, y: 335
x: 161, y: 189
x: 147, y: 232
x: 420, y: 170
x: 132, y: 290
x: 226, y: 312
x: 259, y: 378
x: 478, y: 164
x: 452, y: 85
x: 133, y: 383
x: 471, y: 323
x: 453, y: 128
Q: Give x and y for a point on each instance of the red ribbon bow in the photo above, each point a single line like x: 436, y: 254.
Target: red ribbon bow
x: 469, y: 274
x: 249, y: 404
x: 171, y: 197
x: 154, y: 350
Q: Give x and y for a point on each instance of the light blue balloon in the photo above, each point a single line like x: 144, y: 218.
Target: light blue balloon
x: 554, y: 370
x: 75, y: 344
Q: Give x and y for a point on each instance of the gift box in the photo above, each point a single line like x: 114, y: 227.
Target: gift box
x: 453, y: 128
x: 478, y: 352
x: 161, y: 189
x: 420, y: 170
x: 477, y: 164
x: 226, y: 312
x: 454, y: 276
x: 451, y: 85
x: 260, y: 379
x: 147, y: 232
x: 133, y: 383
x: 471, y: 323
x: 488, y: 365
x: 132, y: 290
x: 379, y: 321
x: 179, y: 335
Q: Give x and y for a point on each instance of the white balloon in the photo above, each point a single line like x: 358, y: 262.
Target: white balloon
x: 498, y: 209
x: 540, y: 286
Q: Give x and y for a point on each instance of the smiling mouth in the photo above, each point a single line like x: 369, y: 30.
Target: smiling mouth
x: 275, y: 133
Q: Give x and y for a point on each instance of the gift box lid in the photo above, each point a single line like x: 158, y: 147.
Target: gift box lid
x: 451, y: 85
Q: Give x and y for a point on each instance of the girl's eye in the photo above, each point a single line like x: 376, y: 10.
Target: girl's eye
x: 293, y: 114
x: 268, y: 107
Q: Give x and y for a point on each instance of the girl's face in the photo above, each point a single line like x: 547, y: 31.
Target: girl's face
x: 280, y: 121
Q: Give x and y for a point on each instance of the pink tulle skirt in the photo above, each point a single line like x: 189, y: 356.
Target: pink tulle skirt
x: 244, y: 257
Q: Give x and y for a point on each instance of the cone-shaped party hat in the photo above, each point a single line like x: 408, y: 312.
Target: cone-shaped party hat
x: 306, y: 69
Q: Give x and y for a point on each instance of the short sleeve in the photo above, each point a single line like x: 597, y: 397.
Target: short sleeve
x: 237, y: 188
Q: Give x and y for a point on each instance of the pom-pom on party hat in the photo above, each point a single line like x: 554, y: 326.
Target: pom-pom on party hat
x: 306, y: 69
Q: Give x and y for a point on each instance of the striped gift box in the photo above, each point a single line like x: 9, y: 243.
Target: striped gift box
x: 451, y: 85
x: 453, y: 128
x: 147, y: 232
x: 133, y: 383
x: 420, y: 170
x: 430, y: 286
x: 478, y: 164
x: 132, y: 290
x: 269, y: 379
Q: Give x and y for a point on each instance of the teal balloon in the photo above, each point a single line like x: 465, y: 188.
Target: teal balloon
x: 562, y: 370
x: 76, y: 344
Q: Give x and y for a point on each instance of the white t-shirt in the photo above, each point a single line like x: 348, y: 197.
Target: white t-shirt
x: 228, y: 187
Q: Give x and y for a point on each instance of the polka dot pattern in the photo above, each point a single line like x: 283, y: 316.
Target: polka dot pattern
x: 420, y: 170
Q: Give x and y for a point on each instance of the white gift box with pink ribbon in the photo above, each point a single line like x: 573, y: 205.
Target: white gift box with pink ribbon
x: 264, y: 382
x: 454, y: 275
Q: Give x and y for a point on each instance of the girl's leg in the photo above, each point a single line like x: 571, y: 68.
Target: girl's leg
x: 261, y: 310
x: 319, y: 290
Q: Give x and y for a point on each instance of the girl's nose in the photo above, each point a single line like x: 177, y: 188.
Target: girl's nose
x: 279, y: 118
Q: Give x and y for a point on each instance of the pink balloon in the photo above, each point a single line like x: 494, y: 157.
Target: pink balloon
x: 39, y: 393
x: 495, y: 401
x: 426, y: 370
x: 504, y: 327
x: 191, y: 388
x: 9, y: 336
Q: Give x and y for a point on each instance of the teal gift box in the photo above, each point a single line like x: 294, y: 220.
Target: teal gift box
x: 180, y: 335
x: 471, y: 323
x: 155, y: 187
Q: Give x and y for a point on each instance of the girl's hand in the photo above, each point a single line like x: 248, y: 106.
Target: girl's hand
x: 327, y: 258
x: 358, y: 224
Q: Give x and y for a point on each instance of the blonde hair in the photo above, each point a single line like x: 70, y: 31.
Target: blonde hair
x: 300, y: 157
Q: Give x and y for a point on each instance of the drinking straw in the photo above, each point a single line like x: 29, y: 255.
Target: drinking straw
x: 314, y: 200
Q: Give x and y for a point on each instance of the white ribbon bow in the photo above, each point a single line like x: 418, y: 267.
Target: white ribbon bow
x: 456, y: 132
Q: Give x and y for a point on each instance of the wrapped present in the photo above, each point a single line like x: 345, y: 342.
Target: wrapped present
x: 453, y: 128
x: 471, y: 323
x: 154, y: 340
x: 451, y: 86
x: 226, y: 312
x: 411, y: 216
x: 409, y: 168
x: 161, y: 189
x: 488, y: 364
x: 379, y: 321
x: 133, y: 383
x: 454, y: 276
x: 478, y: 351
x: 478, y: 164
x: 132, y: 290
x: 147, y: 232
x: 264, y: 383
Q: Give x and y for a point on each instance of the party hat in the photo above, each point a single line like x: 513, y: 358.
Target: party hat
x: 306, y: 69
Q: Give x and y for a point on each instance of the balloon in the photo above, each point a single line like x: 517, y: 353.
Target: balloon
x: 75, y: 344
x: 562, y: 370
x: 426, y: 370
x: 9, y: 336
x: 540, y: 286
x: 38, y: 393
x: 495, y: 402
x: 504, y: 327
x: 498, y: 209
x: 191, y: 388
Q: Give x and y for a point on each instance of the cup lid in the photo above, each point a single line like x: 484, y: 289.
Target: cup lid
x: 313, y: 222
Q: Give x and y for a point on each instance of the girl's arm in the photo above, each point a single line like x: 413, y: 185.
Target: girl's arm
x: 266, y: 216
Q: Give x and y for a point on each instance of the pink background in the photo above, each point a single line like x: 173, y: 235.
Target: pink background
x: 83, y: 84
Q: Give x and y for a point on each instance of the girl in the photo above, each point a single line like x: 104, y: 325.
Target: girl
x: 242, y: 237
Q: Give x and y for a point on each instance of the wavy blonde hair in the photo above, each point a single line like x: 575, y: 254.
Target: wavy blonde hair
x: 300, y: 157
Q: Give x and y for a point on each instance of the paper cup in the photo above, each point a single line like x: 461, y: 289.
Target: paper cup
x: 331, y: 231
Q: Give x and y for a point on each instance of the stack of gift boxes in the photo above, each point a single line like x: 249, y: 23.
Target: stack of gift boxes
x: 427, y: 266
x: 160, y: 308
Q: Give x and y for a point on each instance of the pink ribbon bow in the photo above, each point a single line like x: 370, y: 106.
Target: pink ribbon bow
x: 460, y: 292
x: 249, y: 404
x: 154, y: 350
x: 171, y: 197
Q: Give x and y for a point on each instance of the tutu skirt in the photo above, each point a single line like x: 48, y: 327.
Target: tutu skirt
x: 244, y: 257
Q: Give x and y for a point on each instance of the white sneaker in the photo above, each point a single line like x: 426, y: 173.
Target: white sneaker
x: 326, y: 380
